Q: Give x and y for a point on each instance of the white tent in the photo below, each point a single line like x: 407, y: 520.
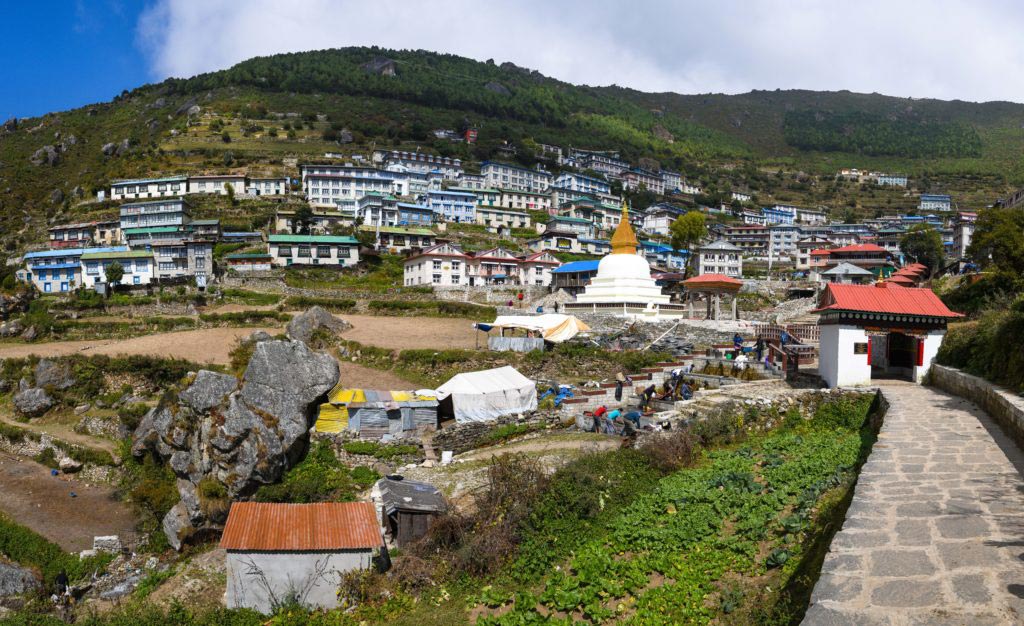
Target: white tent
x: 484, y: 396
x: 553, y: 327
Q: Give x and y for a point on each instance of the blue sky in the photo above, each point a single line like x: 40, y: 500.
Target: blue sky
x: 63, y: 54
x: 60, y: 54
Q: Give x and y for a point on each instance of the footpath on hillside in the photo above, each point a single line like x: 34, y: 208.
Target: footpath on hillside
x: 935, y: 531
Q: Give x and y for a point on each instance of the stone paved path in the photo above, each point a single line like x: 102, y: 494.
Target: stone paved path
x: 935, y: 532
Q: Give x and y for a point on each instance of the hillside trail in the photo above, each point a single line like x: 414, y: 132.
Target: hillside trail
x: 63, y: 432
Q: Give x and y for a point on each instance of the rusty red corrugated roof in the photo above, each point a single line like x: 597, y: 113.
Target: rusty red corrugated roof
x: 870, y: 299
x: 712, y: 278
x: 268, y: 527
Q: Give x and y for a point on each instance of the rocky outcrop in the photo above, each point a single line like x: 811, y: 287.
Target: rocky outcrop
x: 47, y: 155
x: 15, y: 580
x: 241, y: 433
x: 31, y: 401
x: 12, y: 328
x: 497, y: 88
x: 56, y: 196
x: 302, y: 327
x: 51, y: 374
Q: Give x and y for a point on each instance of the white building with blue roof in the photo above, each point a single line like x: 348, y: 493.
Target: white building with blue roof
x: 57, y: 271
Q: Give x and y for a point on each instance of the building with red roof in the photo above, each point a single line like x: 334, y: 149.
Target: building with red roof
x: 279, y: 551
x: 882, y: 330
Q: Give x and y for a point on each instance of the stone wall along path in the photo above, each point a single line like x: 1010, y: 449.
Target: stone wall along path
x: 935, y: 531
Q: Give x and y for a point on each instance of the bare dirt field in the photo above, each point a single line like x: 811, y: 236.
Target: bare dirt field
x: 208, y: 345
x: 400, y: 333
x: 359, y: 377
x: 34, y: 498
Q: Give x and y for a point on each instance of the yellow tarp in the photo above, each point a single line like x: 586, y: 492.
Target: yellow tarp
x: 332, y: 419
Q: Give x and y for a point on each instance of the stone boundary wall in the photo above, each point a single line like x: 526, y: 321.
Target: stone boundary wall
x: 491, y: 293
x: 1005, y: 406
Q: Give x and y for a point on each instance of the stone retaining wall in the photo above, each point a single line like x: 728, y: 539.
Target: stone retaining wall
x: 1005, y: 406
x: 464, y: 437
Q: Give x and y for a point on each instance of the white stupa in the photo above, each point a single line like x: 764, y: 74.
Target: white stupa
x: 623, y: 284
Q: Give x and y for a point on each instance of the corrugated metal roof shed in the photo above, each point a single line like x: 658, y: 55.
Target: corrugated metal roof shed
x: 270, y: 527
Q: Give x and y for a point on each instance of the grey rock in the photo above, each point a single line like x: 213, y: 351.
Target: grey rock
x: 194, y: 109
x: 159, y: 103
x: 46, y: 154
x: 109, y: 149
x: 50, y: 373
x: 208, y: 390
x: 122, y: 589
x: 81, y: 408
x: 243, y: 436
x: 11, y: 125
x: 12, y: 328
x: 77, y: 192
x: 186, y: 107
x: 107, y: 543
x: 497, y: 88
x: 345, y: 136
x: 302, y: 327
x: 69, y: 465
x: 30, y: 334
x: 177, y: 526
x: 124, y: 147
x: 56, y: 196
x: 15, y: 580
x: 32, y: 402
x: 259, y: 336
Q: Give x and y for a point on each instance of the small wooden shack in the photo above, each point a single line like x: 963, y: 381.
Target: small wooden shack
x: 406, y: 508
x: 371, y: 414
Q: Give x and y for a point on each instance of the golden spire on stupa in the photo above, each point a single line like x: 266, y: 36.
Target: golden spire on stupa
x: 624, y: 239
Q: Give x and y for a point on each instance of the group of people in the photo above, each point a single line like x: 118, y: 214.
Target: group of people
x: 759, y: 346
x: 616, y: 422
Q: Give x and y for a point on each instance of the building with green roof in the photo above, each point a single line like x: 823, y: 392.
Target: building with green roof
x: 336, y: 250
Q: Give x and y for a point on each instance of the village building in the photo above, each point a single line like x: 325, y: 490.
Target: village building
x: 56, y: 271
x: 847, y: 274
x: 279, y: 551
x: 573, y: 277
x: 473, y: 182
x: 71, y: 235
x: 341, y: 186
x: 514, y: 177
x: 452, y: 206
x: 406, y: 508
x: 557, y: 240
x: 536, y: 269
x: 449, y: 167
x: 443, y: 265
x: 720, y: 257
x: 281, y: 186
x: 663, y: 255
x: 740, y: 196
x: 689, y: 189
x: 335, y: 250
x: 496, y: 266
x: 500, y: 220
x: 935, y: 202
x: 751, y: 240
x: 805, y: 246
x: 321, y: 222
x: 175, y: 258
x: 894, y: 180
x: 607, y: 162
x: 673, y: 181
x: 137, y: 266
x: 147, y: 188
x: 107, y: 233
x: 398, y: 240
x: 963, y: 231
x: 524, y: 200
x: 485, y: 196
x: 581, y: 226
x: 864, y: 255
x: 639, y: 178
x: 581, y: 183
x: 377, y: 209
x: 597, y: 247
x: 173, y: 213
x: 218, y: 184
x: 249, y: 261
x: 604, y: 217
x: 658, y: 218
x: 889, y: 238
x: 878, y: 331
x: 415, y: 215
x: 372, y: 414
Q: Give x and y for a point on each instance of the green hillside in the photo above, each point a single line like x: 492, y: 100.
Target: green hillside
x: 273, y: 112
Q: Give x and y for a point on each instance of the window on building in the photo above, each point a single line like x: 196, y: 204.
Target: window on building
x: 437, y: 264
x: 304, y: 252
x: 161, y: 187
x: 455, y: 279
x: 283, y: 251
x: 323, y: 251
x: 437, y: 279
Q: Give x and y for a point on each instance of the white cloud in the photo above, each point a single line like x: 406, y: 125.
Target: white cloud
x: 943, y: 48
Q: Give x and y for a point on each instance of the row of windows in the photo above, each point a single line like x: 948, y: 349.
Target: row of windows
x: 322, y: 252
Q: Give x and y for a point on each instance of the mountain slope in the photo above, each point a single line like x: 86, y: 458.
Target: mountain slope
x: 292, y: 107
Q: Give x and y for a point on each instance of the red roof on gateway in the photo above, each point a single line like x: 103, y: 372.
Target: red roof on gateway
x: 268, y: 527
x: 871, y: 299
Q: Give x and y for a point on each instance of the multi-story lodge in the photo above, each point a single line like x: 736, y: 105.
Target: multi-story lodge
x: 472, y: 181
x: 752, y: 240
x: 935, y: 202
x: 673, y: 181
x: 639, y: 177
x: 495, y: 218
x: 71, y: 235
x: 514, y: 177
x: 963, y: 231
x: 313, y: 250
x: 450, y: 168
x: 378, y: 209
x: 136, y: 265
x: 524, y: 200
x: 411, y: 214
x: 146, y: 188
x: 268, y: 186
x: 720, y: 257
x: 895, y: 180
x: 218, y: 184
x: 805, y: 246
x: 446, y: 265
x: 580, y: 183
x: 658, y: 218
x: 175, y: 258
x: 55, y: 271
x: 341, y: 186
x: 158, y: 213
x: 395, y: 239
x: 453, y: 206
x: 607, y: 163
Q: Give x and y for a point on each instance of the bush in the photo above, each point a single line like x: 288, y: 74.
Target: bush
x: 26, y: 547
x: 131, y: 414
x: 380, y: 451
x: 669, y: 454
x: 992, y: 347
x: 331, y: 304
x: 244, y: 317
x: 251, y: 297
x: 320, y: 477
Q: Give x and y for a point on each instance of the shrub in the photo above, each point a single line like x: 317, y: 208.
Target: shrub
x: 668, y: 454
x: 131, y: 414
x: 319, y: 477
x: 251, y: 297
x: 26, y: 547
x: 48, y: 458
x: 380, y: 451
x: 331, y: 304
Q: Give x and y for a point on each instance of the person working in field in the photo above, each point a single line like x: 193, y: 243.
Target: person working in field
x: 645, y: 397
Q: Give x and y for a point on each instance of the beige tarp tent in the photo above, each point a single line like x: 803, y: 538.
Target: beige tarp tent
x: 553, y: 327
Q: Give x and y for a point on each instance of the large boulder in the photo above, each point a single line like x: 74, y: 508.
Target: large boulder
x: 51, y: 374
x: 12, y: 328
x: 46, y: 154
x: 15, y: 580
x: 31, y: 402
x: 242, y: 433
x: 302, y: 326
